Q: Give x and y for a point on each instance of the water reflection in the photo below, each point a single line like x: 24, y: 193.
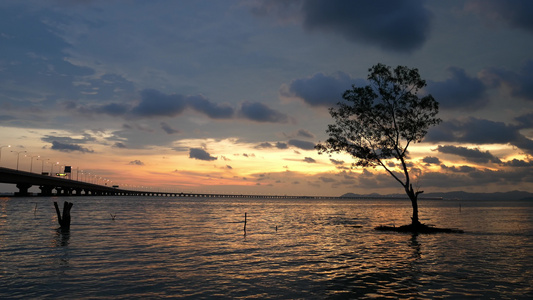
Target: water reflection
x: 195, y: 248
x: 62, y: 237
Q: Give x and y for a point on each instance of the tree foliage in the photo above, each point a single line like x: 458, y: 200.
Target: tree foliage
x: 379, y: 121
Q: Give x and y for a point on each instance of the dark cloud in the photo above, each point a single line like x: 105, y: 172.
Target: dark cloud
x: 156, y: 104
x: 309, y: 160
x: 112, y: 109
x: 266, y: 145
x: 460, y: 169
x: 337, y: 162
x: 200, y: 154
x: 259, y: 112
x: 515, y: 13
x: 519, y: 83
x: 212, y: 110
x: 168, y: 129
x: 480, y: 131
x: 462, y: 177
x: 429, y: 160
x: 380, y: 22
x: 64, y: 147
x: 136, y: 163
x: 525, y: 121
x: 281, y: 145
x: 305, y: 133
x: 68, y: 140
x: 518, y: 163
x: 119, y: 145
x: 391, y: 25
x: 472, y: 155
x: 304, y: 145
x: 459, y: 92
x: 320, y: 89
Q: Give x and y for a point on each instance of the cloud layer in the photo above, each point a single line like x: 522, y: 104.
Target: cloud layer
x: 381, y: 23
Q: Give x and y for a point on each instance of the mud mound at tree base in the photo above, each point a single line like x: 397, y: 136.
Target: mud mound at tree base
x: 420, y: 228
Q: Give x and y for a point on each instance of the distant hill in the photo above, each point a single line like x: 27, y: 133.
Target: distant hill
x: 502, y: 196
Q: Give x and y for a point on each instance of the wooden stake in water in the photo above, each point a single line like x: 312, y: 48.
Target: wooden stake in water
x: 64, y: 221
x: 245, y: 219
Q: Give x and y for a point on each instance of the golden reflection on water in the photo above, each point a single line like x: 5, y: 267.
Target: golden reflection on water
x: 158, y: 248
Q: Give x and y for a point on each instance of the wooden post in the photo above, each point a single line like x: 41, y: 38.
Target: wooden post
x: 64, y: 221
x: 245, y: 217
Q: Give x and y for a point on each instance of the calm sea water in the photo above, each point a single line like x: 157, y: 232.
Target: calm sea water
x: 294, y: 249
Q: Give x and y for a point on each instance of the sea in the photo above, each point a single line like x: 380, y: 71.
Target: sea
x: 201, y: 248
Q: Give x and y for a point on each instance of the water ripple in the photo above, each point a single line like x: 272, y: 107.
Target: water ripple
x: 303, y: 249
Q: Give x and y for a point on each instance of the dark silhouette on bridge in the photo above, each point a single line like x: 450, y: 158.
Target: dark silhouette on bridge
x: 58, y: 186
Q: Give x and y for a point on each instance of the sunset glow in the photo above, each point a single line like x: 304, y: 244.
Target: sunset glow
x: 231, y: 96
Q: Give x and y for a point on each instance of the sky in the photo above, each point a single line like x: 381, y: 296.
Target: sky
x: 231, y: 96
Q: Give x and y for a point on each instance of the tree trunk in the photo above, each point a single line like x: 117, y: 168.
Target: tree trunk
x: 414, y: 203
x: 414, y: 218
x: 64, y: 221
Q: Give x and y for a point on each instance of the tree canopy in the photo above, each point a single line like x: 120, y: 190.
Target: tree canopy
x: 379, y: 121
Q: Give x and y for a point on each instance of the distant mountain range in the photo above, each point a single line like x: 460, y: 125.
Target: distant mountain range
x: 501, y: 196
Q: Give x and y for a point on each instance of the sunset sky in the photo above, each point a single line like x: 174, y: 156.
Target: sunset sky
x: 231, y: 96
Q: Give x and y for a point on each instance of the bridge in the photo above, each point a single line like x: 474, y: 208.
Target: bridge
x: 58, y: 186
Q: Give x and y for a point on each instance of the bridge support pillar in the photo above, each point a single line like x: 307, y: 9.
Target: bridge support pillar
x: 62, y: 191
x: 23, y: 189
x: 46, y: 190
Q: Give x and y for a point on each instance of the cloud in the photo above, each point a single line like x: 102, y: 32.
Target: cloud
x: 429, y: 160
x: 519, y: 83
x: 518, y: 163
x: 168, y: 129
x: 112, y: 109
x: 459, y: 92
x: 119, y: 145
x: 460, y: 169
x: 304, y: 145
x: 64, y: 147
x: 281, y: 145
x: 391, y: 25
x: 200, y: 154
x: 515, y: 13
x: 67, y: 139
x: 309, y: 160
x: 327, y: 179
x: 212, y: 110
x: 266, y: 145
x: 156, y: 104
x: 305, y: 133
x: 259, y: 112
x: 472, y: 155
x: 136, y: 163
x: 525, y: 121
x: 480, y: 131
x: 337, y: 162
x: 320, y: 89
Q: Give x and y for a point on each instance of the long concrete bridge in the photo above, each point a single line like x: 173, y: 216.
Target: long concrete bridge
x: 58, y: 186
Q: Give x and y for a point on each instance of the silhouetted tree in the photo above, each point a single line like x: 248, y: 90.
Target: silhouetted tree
x: 378, y: 122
